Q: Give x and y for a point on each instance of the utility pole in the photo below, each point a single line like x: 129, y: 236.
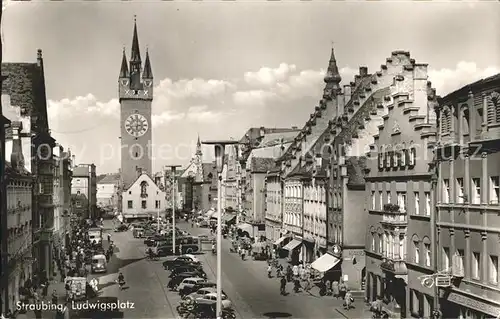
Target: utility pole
x: 173, y: 170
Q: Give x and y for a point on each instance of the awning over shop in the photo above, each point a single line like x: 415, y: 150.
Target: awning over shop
x: 228, y: 217
x: 280, y: 240
x: 325, y: 262
x: 245, y: 227
x: 292, y: 245
x: 209, y: 213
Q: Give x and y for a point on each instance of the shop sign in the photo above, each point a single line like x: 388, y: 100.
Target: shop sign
x: 474, y: 304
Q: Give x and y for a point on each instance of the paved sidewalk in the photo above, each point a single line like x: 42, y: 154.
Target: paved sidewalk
x: 361, y: 311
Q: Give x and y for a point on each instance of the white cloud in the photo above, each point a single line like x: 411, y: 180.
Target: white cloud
x: 269, y: 76
x: 82, y: 105
x: 201, y: 113
x: 448, y: 80
x: 195, y: 88
x: 253, y: 97
x: 166, y: 117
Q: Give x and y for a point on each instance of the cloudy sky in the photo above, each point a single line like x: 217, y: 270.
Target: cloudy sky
x: 221, y: 68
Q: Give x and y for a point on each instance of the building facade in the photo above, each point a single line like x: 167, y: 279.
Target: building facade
x: 23, y: 93
x: 468, y: 210
x: 399, y: 195
x: 136, y: 96
x: 274, y: 206
x: 19, y: 219
x: 107, y: 191
x: 143, y: 199
x: 84, y: 182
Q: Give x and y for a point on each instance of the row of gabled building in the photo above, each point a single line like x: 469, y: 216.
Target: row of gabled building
x: 388, y: 187
x: 36, y: 202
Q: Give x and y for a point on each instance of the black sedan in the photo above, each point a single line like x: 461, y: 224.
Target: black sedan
x: 180, y: 261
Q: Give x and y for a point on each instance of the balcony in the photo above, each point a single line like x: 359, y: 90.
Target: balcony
x: 396, y: 267
x: 394, y: 216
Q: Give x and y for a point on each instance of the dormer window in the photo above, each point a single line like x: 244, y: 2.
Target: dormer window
x: 494, y: 108
x: 446, y: 121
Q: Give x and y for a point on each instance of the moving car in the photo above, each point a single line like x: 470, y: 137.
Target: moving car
x: 121, y: 228
x: 98, y: 264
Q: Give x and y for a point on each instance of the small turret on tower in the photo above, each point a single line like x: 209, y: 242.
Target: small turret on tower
x: 332, y: 78
x: 148, y: 73
x: 124, y: 68
x: 198, y: 146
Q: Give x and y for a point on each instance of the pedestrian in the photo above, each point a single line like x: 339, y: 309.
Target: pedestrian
x: 54, y: 297
x: 109, y: 238
x: 45, y: 288
x: 269, y: 271
x: 348, y: 300
x: 289, y: 273
x: 342, y: 289
x: 295, y: 271
x: 336, y: 289
x: 283, y: 286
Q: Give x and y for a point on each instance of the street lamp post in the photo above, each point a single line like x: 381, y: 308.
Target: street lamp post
x: 219, y: 162
x: 173, y: 168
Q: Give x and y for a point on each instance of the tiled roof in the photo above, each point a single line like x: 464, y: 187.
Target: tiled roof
x: 10, y: 171
x: 268, y: 152
x: 110, y: 179
x: 261, y: 165
x: 25, y: 85
x: 464, y: 90
x: 276, y: 138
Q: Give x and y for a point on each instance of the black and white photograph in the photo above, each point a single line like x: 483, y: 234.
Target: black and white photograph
x: 250, y: 159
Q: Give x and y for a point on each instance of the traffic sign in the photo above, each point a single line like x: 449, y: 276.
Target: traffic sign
x: 427, y: 282
x: 443, y: 281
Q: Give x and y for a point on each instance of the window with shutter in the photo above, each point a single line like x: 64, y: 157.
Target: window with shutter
x: 395, y: 163
x: 412, y: 157
x: 402, y: 157
x: 380, y: 160
x: 388, y: 158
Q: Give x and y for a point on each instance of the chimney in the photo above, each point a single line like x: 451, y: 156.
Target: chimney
x: 363, y: 71
x: 16, y: 157
x: 262, y: 131
x: 39, y: 59
x: 347, y: 93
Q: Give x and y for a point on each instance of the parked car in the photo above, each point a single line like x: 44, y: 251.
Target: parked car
x: 190, y: 281
x: 198, y: 286
x: 187, y: 268
x: 212, y: 297
x: 179, y: 261
x: 121, y: 228
x: 204, y: 291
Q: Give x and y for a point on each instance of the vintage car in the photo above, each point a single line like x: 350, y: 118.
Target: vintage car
x: 198, y: 286
x: 176, y: 261
x: 190, y: 281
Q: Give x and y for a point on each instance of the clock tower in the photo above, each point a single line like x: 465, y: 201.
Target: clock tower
x: 135, y: 89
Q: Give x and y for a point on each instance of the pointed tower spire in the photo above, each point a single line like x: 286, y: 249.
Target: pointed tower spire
x: 148, y: 73
x: 332, y: 74
x: 135, y: 55
x: 124, y: 68
x: 198, y: 146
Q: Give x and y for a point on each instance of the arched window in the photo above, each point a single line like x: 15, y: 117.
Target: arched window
x: 416, y: 248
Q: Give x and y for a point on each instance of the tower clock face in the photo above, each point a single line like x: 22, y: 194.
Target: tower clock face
x: 136, y: 125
